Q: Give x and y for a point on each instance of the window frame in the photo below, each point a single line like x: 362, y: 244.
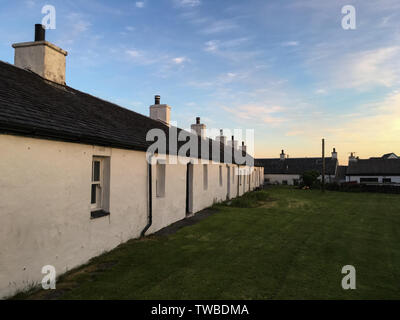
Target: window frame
x: 97, y: 206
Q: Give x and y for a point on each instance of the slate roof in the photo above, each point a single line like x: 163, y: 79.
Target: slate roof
x: 32, y: 106
x: 387, y: 155
x: 374, y: 167
x: 297, y: 165
x: 341, y: 172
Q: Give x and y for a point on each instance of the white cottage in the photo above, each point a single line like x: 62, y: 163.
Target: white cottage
x: 385, y: 169
x: 74, y: 178
x: 288, y: 171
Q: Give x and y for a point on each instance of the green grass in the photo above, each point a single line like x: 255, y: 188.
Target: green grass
x: 292, y: 246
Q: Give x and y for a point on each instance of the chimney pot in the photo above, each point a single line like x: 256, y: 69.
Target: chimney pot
x: 157, y: 99
x: 40, y: 32
x: 221, y: 132
x: 282, y: 157
x: 199, y: 128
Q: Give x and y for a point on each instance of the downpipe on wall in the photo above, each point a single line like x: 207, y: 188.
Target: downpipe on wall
x: 150, y: 192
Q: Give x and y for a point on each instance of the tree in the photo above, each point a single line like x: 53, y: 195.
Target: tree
x: 309, y: 178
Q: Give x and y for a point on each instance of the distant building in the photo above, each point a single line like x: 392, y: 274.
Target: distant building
x: 388, y: 156
x: 385, y: 169
x: 285, y: 170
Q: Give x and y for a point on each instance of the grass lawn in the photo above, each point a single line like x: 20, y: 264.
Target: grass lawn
x: 292, y: 246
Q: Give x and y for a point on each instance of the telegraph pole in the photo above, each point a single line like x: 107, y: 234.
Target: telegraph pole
x: 323, y: 166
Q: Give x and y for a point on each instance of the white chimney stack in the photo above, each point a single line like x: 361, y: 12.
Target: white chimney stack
x: 352, y: 158
x: 334, y: 154
x: 282, y: 155
x: 221, y: 138
x: 160, y: 112
x: 41, y: 57
x: 233, y: 143
x: 199, y: 128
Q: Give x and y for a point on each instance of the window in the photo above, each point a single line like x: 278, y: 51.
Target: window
x: 284, y: 182
x: 205, y: 176
x: 96, y: 183
x: 160, y: 180
x: 387, y: 180
x: 295, y: 182
x: 366, y: 180
x: 100, y: 187
x: 220, y: 176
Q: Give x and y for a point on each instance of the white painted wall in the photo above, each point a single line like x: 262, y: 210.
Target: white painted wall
x: 395, y: 179
x: 278, y: 178
x: 45, y: 204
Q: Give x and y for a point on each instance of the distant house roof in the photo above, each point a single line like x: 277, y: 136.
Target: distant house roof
x: 297, y: 165
x: 390, y: 156
x: 374, y: 167
x: 34, y: 107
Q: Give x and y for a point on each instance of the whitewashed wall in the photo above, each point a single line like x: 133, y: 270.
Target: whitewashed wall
x: 45, y: 204
x: 278, y: 178
x: 395, y: 179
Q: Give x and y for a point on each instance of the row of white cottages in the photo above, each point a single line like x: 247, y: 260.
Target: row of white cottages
x: 74, y: 175
x: 375, y: 170
x: 288, y: 171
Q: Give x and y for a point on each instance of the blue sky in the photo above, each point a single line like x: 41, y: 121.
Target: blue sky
x: 286, y: 69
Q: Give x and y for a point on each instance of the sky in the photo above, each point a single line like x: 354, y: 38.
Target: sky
x: 286, y: 68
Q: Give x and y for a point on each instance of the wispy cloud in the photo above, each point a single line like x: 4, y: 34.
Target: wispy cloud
x: 179, y: 60
x: 141, y: 57
x: 257, y: 113
x: 187, y: 3
x: 361, y: 70
x: 166, y: 64
x: 290, y: 44
x: 140, y: 4
x: 30, y: 3
x: 233, y: 49
x: 219, y: 26
x: 79, y: 29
